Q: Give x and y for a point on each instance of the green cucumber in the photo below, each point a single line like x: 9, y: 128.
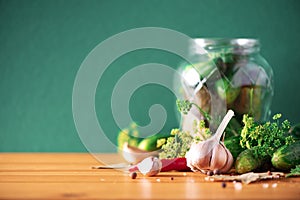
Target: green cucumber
x: 287, y: 157
x: 150, y: 143
x: 246, y: 162
x: 226, y: 91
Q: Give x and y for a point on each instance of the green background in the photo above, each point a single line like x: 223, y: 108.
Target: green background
x: 43, y: 43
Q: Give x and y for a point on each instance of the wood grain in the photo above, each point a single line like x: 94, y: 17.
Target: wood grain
x: 70, y: 176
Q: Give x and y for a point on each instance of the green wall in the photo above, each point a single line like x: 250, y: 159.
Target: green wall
x: 43, y: 43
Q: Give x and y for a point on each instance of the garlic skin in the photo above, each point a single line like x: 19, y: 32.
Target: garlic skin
x: 150, y: 166
x: 211, y: 154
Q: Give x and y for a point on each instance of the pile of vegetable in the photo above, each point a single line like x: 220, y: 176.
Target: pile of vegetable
x: 267, y: 145
x: 258, y: 147
x: 240, y: 142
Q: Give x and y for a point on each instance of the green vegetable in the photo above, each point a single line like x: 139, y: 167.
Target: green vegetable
x: 226, y: 91
x: 130, y: 135
x: 150, y: 143
x: 176, y: 146
x: 287, y: 156
x: 249, y: 101
x: 225, y: 56
x: 265, y: 139
x: 247, y: 162
x: 294, y: 172
x: 233, y: 145
x: 233, y: 128
x: 261, y: 140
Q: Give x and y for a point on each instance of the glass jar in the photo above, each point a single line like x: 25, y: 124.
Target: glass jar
x: 232, y: 75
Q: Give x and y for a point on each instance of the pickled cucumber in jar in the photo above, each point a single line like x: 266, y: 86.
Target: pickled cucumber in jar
x: 235, y: 76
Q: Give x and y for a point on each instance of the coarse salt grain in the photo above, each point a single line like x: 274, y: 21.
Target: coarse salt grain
x: 274, y: 185
x: 238, y: 186
x: 184, y: 174
x: 206, y: 178
x: 265, y: 185
x: 158, y: 180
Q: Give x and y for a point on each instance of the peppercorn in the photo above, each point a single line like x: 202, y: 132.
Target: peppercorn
x: 223, y: 185
x: 133, y: 175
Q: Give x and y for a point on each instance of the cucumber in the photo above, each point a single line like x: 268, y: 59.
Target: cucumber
x: 287, y: 157
x: 150, y: 143
x: 246, y: 162
x: 233, y: 145
x: 124, y: 137
x: 226, y: 91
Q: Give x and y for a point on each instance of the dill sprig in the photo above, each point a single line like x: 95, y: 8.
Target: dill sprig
x: 184, y: 106
x: 264, y: 139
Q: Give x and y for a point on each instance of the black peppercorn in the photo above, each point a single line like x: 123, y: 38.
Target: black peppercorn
x: 133, y: 175
x: 223, y: 185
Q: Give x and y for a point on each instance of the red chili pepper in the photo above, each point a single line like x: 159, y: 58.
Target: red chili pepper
x: 178, y: 164
x: 134, y: 168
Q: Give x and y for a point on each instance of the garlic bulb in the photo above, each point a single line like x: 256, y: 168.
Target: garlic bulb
x: 211, y: 154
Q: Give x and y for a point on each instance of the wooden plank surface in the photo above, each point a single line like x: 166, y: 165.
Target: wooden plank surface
x: 70, y: 176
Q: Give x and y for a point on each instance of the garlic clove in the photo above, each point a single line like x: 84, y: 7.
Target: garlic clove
x: 204, y: 163
x: 198, y: 161
x: 219, y: 157
x: 229, y: 162
x: 150, y: 166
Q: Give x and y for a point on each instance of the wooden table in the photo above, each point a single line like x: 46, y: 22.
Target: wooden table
x: 70, y: 176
